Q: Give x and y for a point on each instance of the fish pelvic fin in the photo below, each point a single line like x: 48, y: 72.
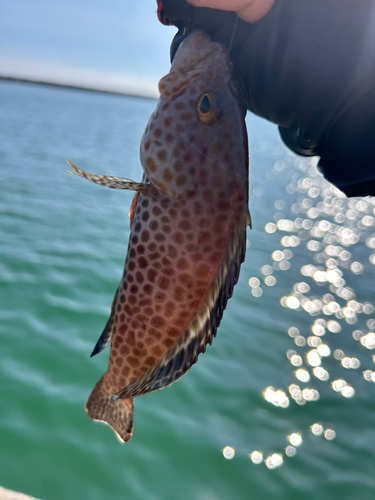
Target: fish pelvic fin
x: 113, y: 182
x: 248, y: 219
x: 104, y: 339
x: 106, y: 336
x: 118, y: 414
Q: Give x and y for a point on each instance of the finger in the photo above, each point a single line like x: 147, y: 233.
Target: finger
x: 250, y: 11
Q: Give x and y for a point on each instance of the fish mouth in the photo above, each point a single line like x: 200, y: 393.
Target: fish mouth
x: 196, y: 49
x: 196, y: 55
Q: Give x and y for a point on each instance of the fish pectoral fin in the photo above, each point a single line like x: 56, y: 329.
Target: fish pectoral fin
x: 110, y: 181
x: 116, y: 414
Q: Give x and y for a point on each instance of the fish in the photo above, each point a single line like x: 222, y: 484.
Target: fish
x: 187, y: 239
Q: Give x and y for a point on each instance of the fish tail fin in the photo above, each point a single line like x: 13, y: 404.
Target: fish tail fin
x: 118, y: 414
x: 110, y: 181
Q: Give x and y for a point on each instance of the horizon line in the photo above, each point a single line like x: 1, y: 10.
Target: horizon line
x: 73, y: 87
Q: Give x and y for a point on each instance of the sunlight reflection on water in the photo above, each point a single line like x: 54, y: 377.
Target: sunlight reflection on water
x: 327, y: 224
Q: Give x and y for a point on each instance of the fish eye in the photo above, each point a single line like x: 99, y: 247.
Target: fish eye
x: 204, y: 105
x: 209, y: 108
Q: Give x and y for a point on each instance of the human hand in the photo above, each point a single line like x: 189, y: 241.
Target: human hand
x: 250, y: 11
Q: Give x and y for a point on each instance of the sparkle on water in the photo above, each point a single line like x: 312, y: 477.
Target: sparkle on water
x: 333, y: 233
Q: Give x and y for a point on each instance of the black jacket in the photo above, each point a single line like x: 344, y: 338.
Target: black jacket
x: 309, y: 67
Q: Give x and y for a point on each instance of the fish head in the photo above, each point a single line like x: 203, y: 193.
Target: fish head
x: 198, y: 123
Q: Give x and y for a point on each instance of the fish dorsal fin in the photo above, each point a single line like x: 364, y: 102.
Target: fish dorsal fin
x: 105, y: 337
x: 184, y: 353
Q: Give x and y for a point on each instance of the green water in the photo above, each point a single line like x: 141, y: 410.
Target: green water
x: 62, y: 248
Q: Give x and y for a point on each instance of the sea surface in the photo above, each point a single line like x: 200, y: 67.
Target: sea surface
x: 282, y: 405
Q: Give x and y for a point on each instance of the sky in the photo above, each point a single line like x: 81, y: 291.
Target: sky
x: 118, y: 45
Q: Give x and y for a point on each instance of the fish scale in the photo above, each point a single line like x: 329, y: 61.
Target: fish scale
x: 188, y: 233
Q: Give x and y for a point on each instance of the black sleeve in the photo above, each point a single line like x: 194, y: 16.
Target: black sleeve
x: 309, y: 67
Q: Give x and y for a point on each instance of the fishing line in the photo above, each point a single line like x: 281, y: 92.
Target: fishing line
x: 234, y: 30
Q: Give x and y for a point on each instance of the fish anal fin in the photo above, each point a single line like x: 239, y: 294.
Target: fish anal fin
x: 184, y: 352
x: 117, y: 414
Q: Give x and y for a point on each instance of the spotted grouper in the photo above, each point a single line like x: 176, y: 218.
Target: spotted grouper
x: 188, y: 231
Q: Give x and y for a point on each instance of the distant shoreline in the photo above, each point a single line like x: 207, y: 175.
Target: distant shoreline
x: 71, y: 87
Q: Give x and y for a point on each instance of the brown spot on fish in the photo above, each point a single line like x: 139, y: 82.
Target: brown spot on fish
x: 172, y: 251
x: 154, y: 256
x: 188, y: 157
x: 145, y: 216
x: 179, y: 294
x: 181, y: 180
x: 159, y: 237
x: 168, y: 342
x: 166, y: 262
x: 150, y: 360
x: 182, y: 264
x: 145, y: 236
x: 178, y: 238
x: 173, y: 213
x: 169, y: 137
x: 178, y: 166
x: 162, y: 155
x: 151, y: 165
x: 168, y: 121
x: 132, y: 299
x: 169, y: 309
x: 151, y: 275
x: 163, y: 284
x: 147, y: 287
x: 167, y: 175
x: 131, y: 338
x: 203, y: 237
x: 157, y: 321
x: 133, y: 360
x: 179, y: 105
x: 186, y: 116
x: 157, y: 350
x: 142, y: 262
x: 124, y: 349
x: 139, y: 277
x: 158, y: 132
